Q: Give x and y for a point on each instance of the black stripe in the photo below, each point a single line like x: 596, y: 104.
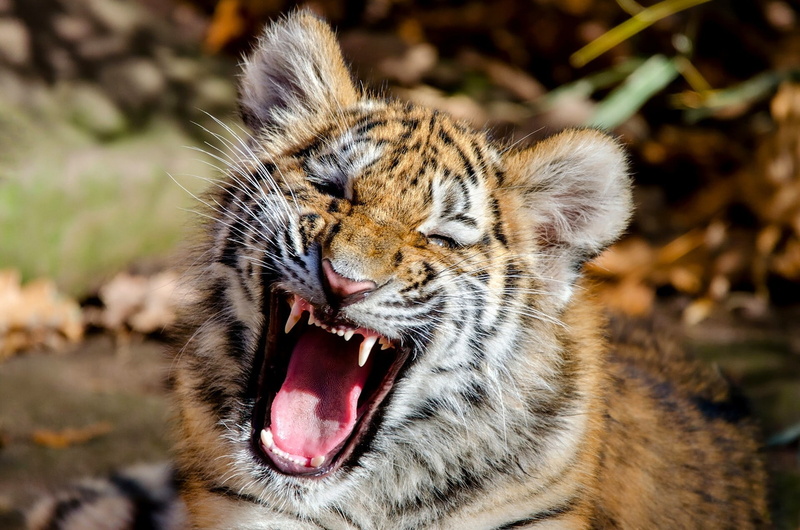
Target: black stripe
x: 731, y: 410
x: 307, y: 226
x: 214, y: 394
x: 230, y: 252
x: 367, y: 125
x: 64, y: 508
x: 237, y: 336
x: 544, y: 515
x: 464, y: 219
x: 465, y: 192
x: 265, y: 169
x: 146, y: 509
x: 227, y: 492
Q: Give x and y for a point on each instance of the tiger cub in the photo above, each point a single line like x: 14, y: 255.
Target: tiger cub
x: 393, y: 332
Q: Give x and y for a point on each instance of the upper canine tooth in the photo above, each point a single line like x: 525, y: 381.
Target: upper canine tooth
x: 294, y: 315
x: 365, y: 348
x: 311, y: 319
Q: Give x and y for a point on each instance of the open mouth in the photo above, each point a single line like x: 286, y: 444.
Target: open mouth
x: 321, y: 384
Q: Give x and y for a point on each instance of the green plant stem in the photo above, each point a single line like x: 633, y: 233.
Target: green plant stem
x: 630, y: 27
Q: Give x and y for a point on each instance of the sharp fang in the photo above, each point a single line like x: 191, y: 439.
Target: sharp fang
x: 365, y: 348
x: 294, y: 315
x: 317, y: 461
x: 348, y: 334
x: 266, y: 438
x: 311, y: 319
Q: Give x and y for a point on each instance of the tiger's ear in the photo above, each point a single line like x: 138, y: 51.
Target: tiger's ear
x: 296, y: 70
x: 577, y: 198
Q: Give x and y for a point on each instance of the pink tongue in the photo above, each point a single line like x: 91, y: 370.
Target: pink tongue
x: 315, y: 409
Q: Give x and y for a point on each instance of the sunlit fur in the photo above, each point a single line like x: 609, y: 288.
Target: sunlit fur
x: 514, y: 411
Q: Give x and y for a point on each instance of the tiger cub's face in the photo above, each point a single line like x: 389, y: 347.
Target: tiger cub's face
x: 381, y: 283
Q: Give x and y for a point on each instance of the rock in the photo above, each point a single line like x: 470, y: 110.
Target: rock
x: 213, y: 93
x: 93, y: 111
x: 178, y: 69
x: 71, y: 28
x: 12, y: 88
x: 135, y: 83
x: 15, y: 42
x: 117, y: 16
x: 62, y: 63
x: 103, y: 47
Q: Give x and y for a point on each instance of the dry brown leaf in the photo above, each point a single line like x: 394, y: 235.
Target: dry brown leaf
x: 227, y: 25
x: 35, y: 315
x: 511, y: 78
x: 697, y: 311
x: 687, y: 279
x: 460, y: 106
x: 71, y: 435
x: 631, y: 257
x: 681, y: 246
x: 787, y: 263
x: 409, y: 68
x: 142, y: 304
x: 630, y: 297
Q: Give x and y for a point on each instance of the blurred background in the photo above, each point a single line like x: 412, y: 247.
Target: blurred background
x: 111, y: 121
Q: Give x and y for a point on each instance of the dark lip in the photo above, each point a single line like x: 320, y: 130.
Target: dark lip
x: 270, y: 367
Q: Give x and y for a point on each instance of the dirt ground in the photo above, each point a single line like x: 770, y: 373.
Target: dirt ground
x: 103, y: 383
x: 98, y: 384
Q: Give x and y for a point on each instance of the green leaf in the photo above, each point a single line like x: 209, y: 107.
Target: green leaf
x: 651, y: 77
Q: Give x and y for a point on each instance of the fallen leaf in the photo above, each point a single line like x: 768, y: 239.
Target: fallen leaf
x: 697, y: 311
x: 70, y: 436
x: 35, y: 315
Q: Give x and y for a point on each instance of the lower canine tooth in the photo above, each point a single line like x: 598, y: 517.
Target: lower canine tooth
x: 266, y: 438
x: 317, y: 461
x: 365, y: 348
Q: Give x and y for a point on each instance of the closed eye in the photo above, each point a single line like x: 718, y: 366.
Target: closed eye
x: 442, y: 241
x: 334, y: 189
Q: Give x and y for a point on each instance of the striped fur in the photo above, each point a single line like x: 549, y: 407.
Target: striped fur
x: 502, y: 416
x: 512, y: 409
x: 142, y: 497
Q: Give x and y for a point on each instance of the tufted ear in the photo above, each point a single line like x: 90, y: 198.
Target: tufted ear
x: 296, y: 70
x: 577, y: 198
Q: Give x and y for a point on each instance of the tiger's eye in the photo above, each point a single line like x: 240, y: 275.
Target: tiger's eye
x: 329, y: 188
x: 442, y: 241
